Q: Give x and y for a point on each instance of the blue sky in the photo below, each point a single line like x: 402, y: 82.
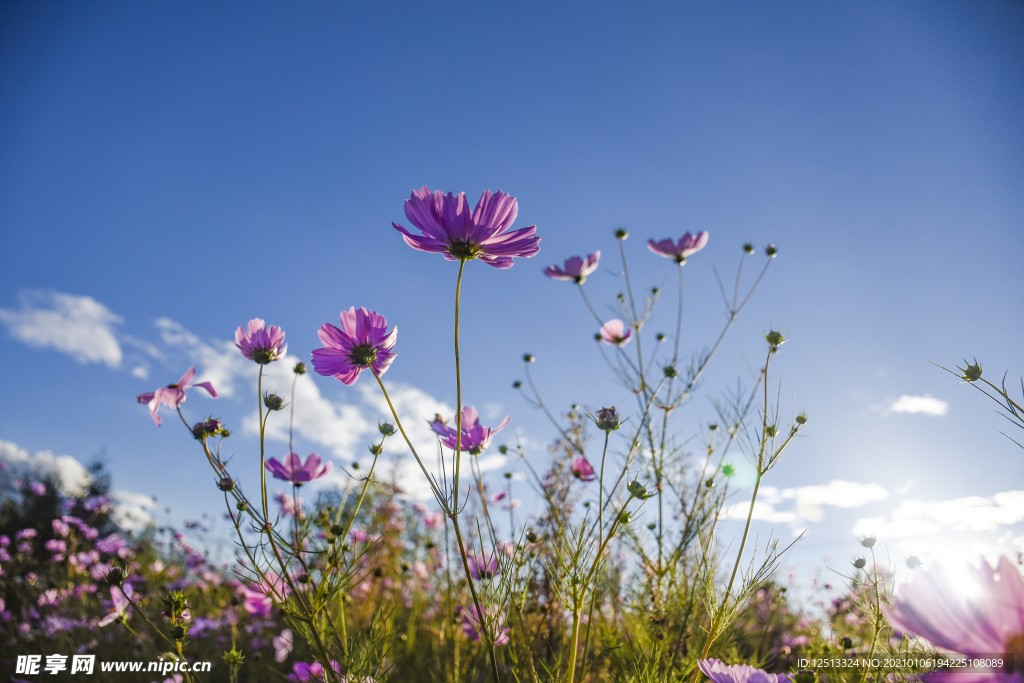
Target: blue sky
x: 190, y: 167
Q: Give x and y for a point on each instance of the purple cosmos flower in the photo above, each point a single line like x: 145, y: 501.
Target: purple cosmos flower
x: 121, y: 604
x: 615, y: 332
x: 475, y: 437
x: 979, y: 611
x: 294, y: 471
x: 304, y: 673
x: 738, y: 673
x: 259, y: 343
x: 482, y: 566
x: 582, y: 470
x: 471, y: 625
x: 688, y: 244
x: 575, y: 269
x: 259, y: 599
x: 450, y: 229
x: 289, y: 506
x: 362, y: 342
x: 173, y: 395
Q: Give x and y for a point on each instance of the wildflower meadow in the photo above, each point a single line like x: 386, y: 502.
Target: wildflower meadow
x: 608, y: 562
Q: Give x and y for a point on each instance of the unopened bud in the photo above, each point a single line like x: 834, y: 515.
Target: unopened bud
x: 770, y: 431
x: 860, y: 563
x: 241, y: 506
x: 652, y: 526
x: 621, y: 234
x: 226, y: 484
x: 637, y: 490
x: 234, y: 658
x: 528, y: 358
x: 913, y: 562
x: 503, y: 449
x: 517, y: 383
x: 337, y: 529
x: 608, y: 420
x: 669, y: 370
x: 273, y: 401
x: 386, y: 428
x: 748, y: 248
x: 775, y: 338
x: 508, y: 475
x: 972, y: 373
x: 846, y: 643
x: 660, y: 337
x: 177, y: 632
x: 299, y: 369
x: 199, y: 431
x: 801, y: 419
x: 869, y: 542
x: 624, y: 517
x: 375, y: 449
x: 771, y: 251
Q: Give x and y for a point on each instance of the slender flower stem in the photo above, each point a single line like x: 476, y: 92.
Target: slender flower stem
x: 591, y: 308
x: 263, y: 469
x: 679, y: 317
x: 458, y: 392
x: 600, y: 533
x: 715, y: 617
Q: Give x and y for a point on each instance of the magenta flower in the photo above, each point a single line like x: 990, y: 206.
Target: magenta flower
x: 259, y: 598
x: 615, y: 332
x: 450, y: 229
x: 475, y: 437
x: 738, y: 673
x: 982, y: 612
x: 283, y: 645
x: 260, y: 343
x: 688, y: 244
x: 582, y: 470
x: 121, y: 605
x: 482, y: 566
x: 173, y: 395
x: 306, y: 673
x: 472, y: 627
x: 362, y: 342
x: 294, y: 471
x: 575, y: 269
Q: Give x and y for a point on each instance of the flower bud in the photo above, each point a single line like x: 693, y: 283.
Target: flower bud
x: 303, y: 578
x: 771, y: 251
x: 709, y: 482
x: 508, y: 475
x: 337, y: 529
x: 532, y: 536
x: 669, y: 370
x: 624, y: 517
x: 637, y: 490
x: 652, y: 526
x: 748, y: 248
x: 528, y: 358
x: 517, y: 383
x: 116, y: 576
x: 713, y: 427
x: 608, y: 420
x: 660, y: 337
x: 869, y: 542
x: 913, y: 562
x: 355, y: 466
x: 299, y: 369
x: 805, y: 677
x: 860, y: 563
x: 621, y: 234
x: 273, y: 401
x: 241, y: 506
x: 775, y: 338
x: 654, y: 291
x: 234, y: 658
x: 597, y: 336
x: 972, y: 373
x: 177, y: 633
x: 846, y: 643
x: 226, y: 484
x: 770, y: 431
x: 376, y: 449
x: 503, y: 449
x: 199, y: 431
x: 801, y: 419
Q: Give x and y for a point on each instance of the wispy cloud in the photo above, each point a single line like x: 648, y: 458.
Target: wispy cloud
x: 972, y: 513
x: 78, y: 326
x: 926, y: 404
x: 131, y: 509
x: 805, y: 502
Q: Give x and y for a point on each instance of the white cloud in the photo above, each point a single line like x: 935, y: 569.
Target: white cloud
x: 973, y: 514
x: 344, y: 429
x: 926, y: 404
x: 69, y: 474
x: 79, y: 326
x: 807, y: 501
x: 130, y: 509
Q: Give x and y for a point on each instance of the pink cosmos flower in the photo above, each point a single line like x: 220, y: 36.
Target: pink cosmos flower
x: 362, y: 342
x: 121, y: 604
x: 475, y: 437
x: 452, y: 230
x: 688, y: 244
x: 615, y: 332
x: 981, y: 612
x: 582, y: 469
x: 738, y: 673
x: 173, y: 395
x: 294, y: 471
x: 575, y: 269
x: 283, y: 645
x: 305, y: 673
x: 289, y: 506
x: 472, y: 627
x: 259, y: 599
x: 259, y: 343
x: 434, y: 520
x: 482, y: 566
